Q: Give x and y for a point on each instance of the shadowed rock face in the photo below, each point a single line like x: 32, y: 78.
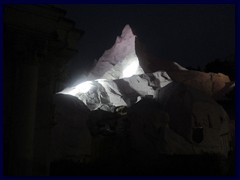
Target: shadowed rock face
x: 127, y: 47
x: 196, y: 117
x: 170, y: 111
x: 127, y: 58
x: 212, y: 84
x: 108, y: 94
x: 183, y: 121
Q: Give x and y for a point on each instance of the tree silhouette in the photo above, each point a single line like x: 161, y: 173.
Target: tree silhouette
x: 226, y: 66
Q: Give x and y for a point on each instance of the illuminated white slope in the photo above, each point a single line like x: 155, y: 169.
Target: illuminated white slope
x: 108, y: 94
x: 120, y: 61
x: 117, y: 79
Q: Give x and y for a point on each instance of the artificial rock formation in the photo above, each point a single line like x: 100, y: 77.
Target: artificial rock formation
x: 113, y: 63
x: 212, y: 84
x: 127, y: 57
x: 168, y: 111
x: 197, y: 117
x: 109, y: 94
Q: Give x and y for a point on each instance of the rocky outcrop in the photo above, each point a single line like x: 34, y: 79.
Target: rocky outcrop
x: 168, y: 112
x: 114, y: 62
x: 213, y: 84
x: 128, y: 49
x: 180, y: 121
x: 196, y: 117
x: 108, y: 94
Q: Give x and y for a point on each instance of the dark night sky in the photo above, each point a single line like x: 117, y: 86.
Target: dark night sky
x: 191, y: 35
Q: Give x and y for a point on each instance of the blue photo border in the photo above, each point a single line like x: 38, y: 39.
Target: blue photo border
x: 237, y: 36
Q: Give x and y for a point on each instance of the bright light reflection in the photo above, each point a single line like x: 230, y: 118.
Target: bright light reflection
x: 81, y: 88
x: 100, y: 80
x: 131, y: 69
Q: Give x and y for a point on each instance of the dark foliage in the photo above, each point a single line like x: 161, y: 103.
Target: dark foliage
x: 226, y: 67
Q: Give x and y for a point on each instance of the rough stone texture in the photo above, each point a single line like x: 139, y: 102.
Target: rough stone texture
x: 179, y: 120
x: 169, y: 112
x: 196, y: 117
x: 215, y: 85
x: 128, y: 49
x: 108, y: 94
x: 216, y: 131
x: 114, y: 60
x: 151, y: 133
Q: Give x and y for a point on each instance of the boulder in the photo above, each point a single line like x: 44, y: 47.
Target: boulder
x: 197, y: 118
x: 212, y: 84
x: 181, y: 121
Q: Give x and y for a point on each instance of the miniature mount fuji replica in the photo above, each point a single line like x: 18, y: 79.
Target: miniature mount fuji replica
x: 134, y: 108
